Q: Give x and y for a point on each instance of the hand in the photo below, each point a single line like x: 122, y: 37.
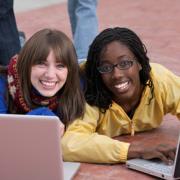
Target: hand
x: 165, y: 152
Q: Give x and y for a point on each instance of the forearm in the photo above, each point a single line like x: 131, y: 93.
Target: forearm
x: 93, y: 148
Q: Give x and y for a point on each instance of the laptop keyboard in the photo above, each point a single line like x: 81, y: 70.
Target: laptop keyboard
x: 156, y: 166
x: 160, y: 167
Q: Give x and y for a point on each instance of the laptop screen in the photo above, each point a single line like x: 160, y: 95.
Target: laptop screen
x: 177, y: 166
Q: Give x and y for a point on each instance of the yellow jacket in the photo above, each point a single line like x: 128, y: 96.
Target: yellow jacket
x: 89, y: 139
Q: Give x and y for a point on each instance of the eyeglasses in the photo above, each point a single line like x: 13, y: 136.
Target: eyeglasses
x: 122, y: 65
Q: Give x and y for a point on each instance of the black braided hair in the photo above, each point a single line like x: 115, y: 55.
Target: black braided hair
x: 96, y: 93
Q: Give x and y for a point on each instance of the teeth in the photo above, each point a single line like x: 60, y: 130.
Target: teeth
x: 47, y: 83
x: 122, y: 85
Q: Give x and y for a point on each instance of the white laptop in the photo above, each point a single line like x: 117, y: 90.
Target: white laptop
x: 30, y: 148
x: 158, y: 168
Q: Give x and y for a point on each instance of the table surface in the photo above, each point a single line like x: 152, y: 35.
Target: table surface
x: 167, y: 132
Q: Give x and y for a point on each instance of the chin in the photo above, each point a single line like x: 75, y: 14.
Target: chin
x: 125, y: 95
x: 48, y: 95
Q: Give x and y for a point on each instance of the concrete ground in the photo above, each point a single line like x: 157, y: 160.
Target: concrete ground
x: 156, y: 22
x: 20, y: 6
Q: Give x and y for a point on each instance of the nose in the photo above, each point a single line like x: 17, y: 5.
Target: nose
x: 117, y: 73
x: 50, y: 72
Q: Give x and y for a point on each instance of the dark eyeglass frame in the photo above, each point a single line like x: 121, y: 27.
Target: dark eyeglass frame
x: 118, y: 65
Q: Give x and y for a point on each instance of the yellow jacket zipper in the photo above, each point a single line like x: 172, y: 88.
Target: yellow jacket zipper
x: 132, y: 128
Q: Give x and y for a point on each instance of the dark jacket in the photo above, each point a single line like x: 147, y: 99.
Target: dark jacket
x: 9, y: 37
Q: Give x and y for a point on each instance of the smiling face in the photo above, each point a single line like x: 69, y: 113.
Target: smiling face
x: 123, y: 83
x: 49, y: 76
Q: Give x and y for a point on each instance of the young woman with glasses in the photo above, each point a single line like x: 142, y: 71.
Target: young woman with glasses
x: 125, y: 94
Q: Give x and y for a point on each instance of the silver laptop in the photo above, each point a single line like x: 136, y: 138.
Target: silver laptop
x: 158, y: 168
x: 30, y: 148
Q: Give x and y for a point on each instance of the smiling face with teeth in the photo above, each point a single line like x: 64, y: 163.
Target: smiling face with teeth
x: 49, y: 76
x: 124, y: 84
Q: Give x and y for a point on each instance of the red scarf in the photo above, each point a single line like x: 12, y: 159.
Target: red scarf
x: 15, y: 90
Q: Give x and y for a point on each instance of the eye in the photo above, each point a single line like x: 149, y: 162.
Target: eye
x: 60, y: 66
x: 125, y: 63
x: 105, y: 68
x: 41, y: 63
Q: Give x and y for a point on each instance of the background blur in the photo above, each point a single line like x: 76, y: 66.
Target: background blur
x: 156, y: 22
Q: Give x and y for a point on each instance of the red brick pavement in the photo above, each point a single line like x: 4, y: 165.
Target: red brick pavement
x: 156, y: 22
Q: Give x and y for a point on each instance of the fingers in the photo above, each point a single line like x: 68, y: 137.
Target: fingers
x: 154, y: 154
x: 168, y: 151
x: 171, y: 155
x: 166, y: 148
x: 170, y: 162
x: 165, y: 153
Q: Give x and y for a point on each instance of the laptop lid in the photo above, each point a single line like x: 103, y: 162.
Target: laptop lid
x: 30, y: 147
x: 157, y: 167
x: 176, y: 171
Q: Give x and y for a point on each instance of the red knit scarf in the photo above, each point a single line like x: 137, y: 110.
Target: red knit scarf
x: 15, y: 90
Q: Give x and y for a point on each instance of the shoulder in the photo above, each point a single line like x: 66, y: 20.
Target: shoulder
x: 91, y: 111
x: 3, y: 83
x: 159, y: 69
x: 162, y: 74
x: 165, y: 81
x: 88, y: 122
x: 3, y: 90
